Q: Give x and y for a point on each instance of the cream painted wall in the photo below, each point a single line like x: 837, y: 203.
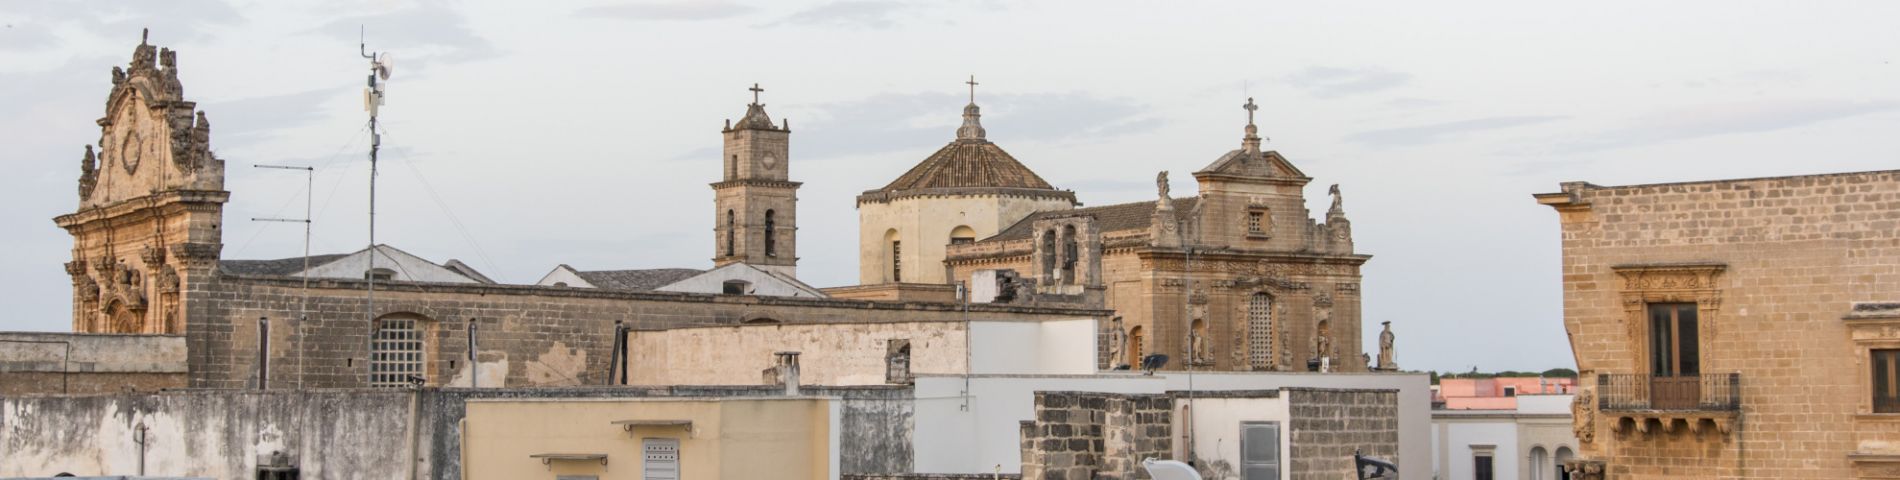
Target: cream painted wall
x: 731, y: 438
x: 923, y: 226
x: 1062, y: 347
x: 1216, y: 427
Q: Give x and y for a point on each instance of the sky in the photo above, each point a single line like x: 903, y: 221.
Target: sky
x: 519, y: 136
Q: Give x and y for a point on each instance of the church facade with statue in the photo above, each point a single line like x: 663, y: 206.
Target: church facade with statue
x: 1237, y: 277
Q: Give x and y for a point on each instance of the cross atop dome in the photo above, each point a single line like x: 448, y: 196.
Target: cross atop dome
x: 972, y: 83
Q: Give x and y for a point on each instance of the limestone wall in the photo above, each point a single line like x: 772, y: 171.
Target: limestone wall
x: 526, y: 335
x: 1778, y: 262
x: 833, y: 354
x: 47, y: 363
x: 1096, y: 435
x: 1329, y: 425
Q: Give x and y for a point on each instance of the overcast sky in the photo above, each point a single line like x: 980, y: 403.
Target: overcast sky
x: 519, y: 138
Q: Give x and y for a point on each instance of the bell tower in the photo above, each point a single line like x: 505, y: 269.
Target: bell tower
x: 756, y: 219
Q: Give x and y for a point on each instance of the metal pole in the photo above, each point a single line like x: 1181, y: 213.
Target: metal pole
x: 474, y: 367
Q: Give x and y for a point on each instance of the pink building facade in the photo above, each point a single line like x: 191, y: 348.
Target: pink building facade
x: 1495, y: 393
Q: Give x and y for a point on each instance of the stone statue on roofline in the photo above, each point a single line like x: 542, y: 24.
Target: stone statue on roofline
x: 1385, y: 348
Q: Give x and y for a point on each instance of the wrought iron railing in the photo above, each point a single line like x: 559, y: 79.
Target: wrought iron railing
x: 1629, y: 391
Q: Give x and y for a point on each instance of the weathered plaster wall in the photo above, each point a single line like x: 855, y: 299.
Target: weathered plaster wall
x: 346, y: 433
x: 32, y: 363
x: 1214, y: 424
x: 216, y: 434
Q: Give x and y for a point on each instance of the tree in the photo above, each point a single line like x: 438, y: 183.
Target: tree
x: 1560, y: 373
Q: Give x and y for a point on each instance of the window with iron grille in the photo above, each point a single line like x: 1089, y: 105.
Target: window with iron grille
x: 1260, y: 331
x: 1253, y: 222
x: 1886, y: 381
x: 395, y: 353
x: 897, y: 261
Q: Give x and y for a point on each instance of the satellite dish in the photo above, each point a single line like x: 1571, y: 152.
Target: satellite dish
x: 384, y: 65
x: 1169, y: 470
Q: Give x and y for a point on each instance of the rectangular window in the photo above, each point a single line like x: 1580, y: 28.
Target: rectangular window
x: 396, y: 353
x: 1254, y: 222
x: 897, y: 262
x: 1885, y: 364
x: 1260, y: 450
x: 1481, y: 468
x: 1673, y: 339
x: 962, y: 240
x: 1510, y: 391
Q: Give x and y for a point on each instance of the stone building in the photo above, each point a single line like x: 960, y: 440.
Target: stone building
x: 1735, y: 328
x: 147, y: 259
x: 1238, y: 277
x: 968, y: 190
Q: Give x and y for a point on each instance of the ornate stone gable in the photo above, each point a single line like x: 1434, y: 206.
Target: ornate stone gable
x: 151, y: 198
x: 151, y: 139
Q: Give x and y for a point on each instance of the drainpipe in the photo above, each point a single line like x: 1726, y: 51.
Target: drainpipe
x: 263, y: 353
x: 788, y: 371
x: 138, y: 437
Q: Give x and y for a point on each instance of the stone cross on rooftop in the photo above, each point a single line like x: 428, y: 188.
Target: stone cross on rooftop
x: 755, y: 93
x: 972, y: 83
x: 1250, y: 108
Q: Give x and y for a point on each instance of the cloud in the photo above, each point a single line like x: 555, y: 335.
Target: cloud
x: 849, y: 13
x: 1713, y: 120
x: 679, y: 10
x: 1329, y: 82
x: 424, y: 34
x: 892, y: 122
x: 170, y: 21
x: 249, y: 120
x: 1434, y: 133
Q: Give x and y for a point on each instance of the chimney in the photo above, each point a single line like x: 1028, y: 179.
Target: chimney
x: 788, y: 372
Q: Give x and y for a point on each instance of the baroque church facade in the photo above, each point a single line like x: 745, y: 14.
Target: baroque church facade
x: 1238, y: 277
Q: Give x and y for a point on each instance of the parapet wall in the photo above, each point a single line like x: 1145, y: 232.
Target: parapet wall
x: 54, y: 363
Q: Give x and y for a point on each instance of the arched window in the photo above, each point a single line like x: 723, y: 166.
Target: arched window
x: 1563, y: 455
x: 962, y: 234
x: 1136, y: 347
x: 729, y: 232
x: 1540, y: 464
x: 396, y: 356
x: 1260, y: 331
x: 895, y: 256
x: 1048, y: 255
x: 379, y: 274
x: 1069, y: 252
x: 771, y: 235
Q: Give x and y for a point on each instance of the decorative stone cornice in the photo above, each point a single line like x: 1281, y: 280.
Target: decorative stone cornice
x: 134, y: 208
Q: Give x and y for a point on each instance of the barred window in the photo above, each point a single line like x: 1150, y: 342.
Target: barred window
x: 1260, y: 331
x: 396, y: 353
x: 1886, y: 382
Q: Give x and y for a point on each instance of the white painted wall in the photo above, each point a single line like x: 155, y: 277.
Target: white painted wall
x: 1216, y: 432
x: 1544, y: 403
x: 407, y: 268
x: 1415, y: 401
x: 762, y: 283
x: 951, y: 439
x: 1055, y: 347
x: 1455, y: 440
x: 563, y: 275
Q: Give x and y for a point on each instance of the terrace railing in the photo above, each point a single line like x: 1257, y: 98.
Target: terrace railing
x: 1630, y: 391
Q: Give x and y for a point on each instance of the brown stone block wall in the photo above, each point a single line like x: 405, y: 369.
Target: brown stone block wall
x: 541, y: 336
x: 1084, y: 435
x: 1327, y: 426
x: 1794, y: 253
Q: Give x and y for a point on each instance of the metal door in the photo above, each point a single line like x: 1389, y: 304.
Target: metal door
x: 662, y: 460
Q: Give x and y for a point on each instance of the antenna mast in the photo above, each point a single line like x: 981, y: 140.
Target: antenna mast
x: 372, y: 100
x: 304, y: 316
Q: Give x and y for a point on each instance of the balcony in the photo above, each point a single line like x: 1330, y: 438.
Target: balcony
x: 1645, y: 403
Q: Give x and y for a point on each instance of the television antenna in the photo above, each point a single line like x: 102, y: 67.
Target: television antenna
x: 304, y: 316
x: 379, y: 70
